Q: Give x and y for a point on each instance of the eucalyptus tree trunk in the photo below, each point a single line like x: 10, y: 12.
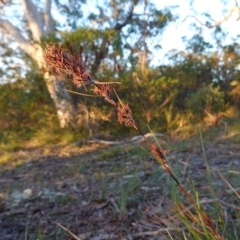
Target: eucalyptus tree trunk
x: 41, y: 25
x: 61, y: 99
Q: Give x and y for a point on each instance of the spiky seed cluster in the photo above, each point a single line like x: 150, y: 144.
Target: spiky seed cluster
x: 157, y: 152
x: 208, y: 222
x: 125, y: 115
x: 63, y: 63
x: 104, y: 90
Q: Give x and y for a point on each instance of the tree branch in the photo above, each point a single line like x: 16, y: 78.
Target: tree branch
x: 34, y: 18
x: 48, y: 17
x: 166, y: 101
x: 13, y: 31
x: 229, y: 14
x: 101, y: 54
x: 119, y: 26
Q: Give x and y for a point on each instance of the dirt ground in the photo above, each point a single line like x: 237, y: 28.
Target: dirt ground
x: 100, y: 192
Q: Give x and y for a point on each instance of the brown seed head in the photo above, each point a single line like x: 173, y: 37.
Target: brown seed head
x: 125, y: 115
x: 70, y: 65
x: 104, y: 90
x: 158, y: 153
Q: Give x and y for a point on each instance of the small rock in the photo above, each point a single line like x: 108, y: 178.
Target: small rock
x: 27, y: 193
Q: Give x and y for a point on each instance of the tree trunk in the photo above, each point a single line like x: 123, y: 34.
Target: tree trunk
x: 61, y: 99
x: 40, y: 25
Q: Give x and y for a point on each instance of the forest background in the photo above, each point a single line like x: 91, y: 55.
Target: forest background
x: 173, y: 83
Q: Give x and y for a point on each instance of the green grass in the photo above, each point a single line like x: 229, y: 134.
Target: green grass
x: 126, y: 190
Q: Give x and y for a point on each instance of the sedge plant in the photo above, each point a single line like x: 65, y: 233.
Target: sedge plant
x: 63, y: 63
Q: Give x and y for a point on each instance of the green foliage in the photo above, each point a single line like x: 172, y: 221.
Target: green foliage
x: 50, y: 38
x: 24, y: 108
x: 209, y: 98
x: 25, y: 103
x: 93, y: 45
x: 169, y: 98
x: 27, y: 113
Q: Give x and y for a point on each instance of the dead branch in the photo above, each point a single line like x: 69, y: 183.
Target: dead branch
x: 137, y: 139
x: 155, y: 233
x: 235, y: 8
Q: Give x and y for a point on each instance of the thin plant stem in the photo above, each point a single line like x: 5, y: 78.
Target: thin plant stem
x: 82, y: 94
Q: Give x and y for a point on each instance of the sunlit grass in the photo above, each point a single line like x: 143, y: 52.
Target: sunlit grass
x: 46, y: 136
x: 13, y: 141
x: 5, y: 157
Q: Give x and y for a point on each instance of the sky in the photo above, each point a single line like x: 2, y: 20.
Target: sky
x: 176, y: 30
x: 172, y: 36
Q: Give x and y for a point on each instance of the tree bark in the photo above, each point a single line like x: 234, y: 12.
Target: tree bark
x: 61, y: 99
x: 40, y: 26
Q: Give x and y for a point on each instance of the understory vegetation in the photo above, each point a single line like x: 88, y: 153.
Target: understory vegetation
x: 198, y: 90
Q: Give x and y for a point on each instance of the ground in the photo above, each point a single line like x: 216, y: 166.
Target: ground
x: 96, y: 191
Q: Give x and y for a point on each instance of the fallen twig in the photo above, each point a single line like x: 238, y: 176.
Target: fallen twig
x: 68, y: 231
